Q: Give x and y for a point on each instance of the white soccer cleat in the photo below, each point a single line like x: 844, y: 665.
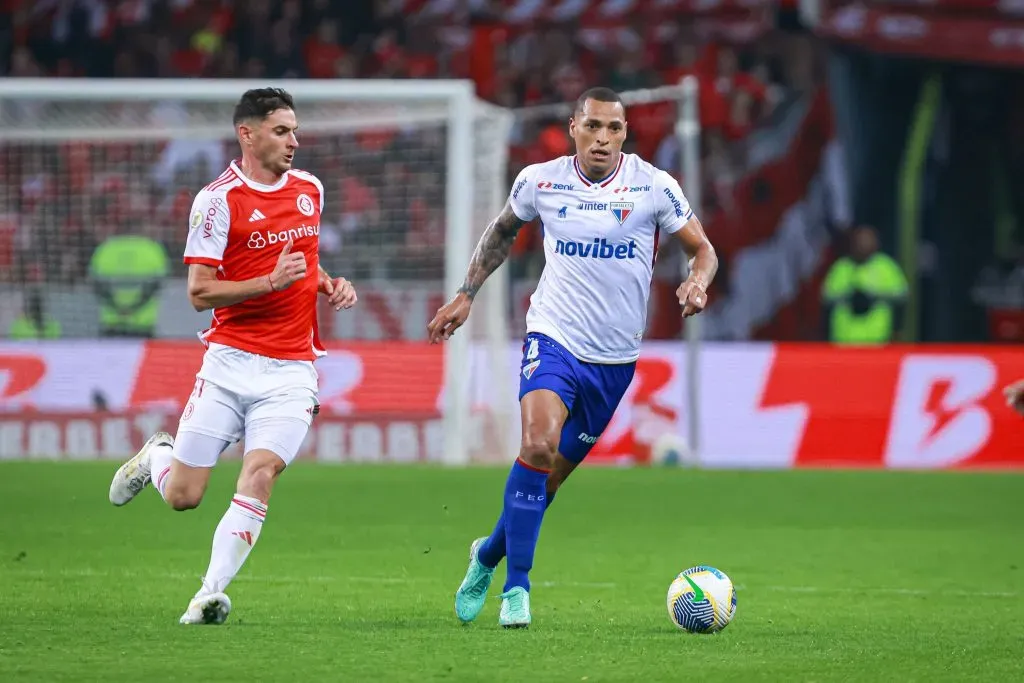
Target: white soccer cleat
x: 132, y: 477
x: 212, y: 608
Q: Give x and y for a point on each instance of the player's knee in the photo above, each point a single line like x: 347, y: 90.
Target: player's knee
x: 539, y: 450
x: 259, y: 472
x: 183, y: 497
x: 257, y: 482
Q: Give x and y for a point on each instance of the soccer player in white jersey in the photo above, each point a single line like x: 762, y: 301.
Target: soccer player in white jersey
x: 601, y: 212
x: 252, y: 255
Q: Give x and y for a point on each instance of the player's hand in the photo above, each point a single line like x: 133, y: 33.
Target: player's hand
x: 692, y: 297
x: 449, y: 318
x: 290, y: 268
x: 1015, y: 396
x: 340, y: 292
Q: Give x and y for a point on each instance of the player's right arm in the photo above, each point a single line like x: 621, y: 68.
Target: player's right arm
x: 205, y: 291
x: 491, y: 251
x: 209, y: 224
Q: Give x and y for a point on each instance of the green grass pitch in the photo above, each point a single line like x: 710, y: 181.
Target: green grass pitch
x: 841, y: 576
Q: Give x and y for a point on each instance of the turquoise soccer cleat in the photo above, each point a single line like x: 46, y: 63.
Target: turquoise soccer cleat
x: 515, y: 608
x: 470, y: 597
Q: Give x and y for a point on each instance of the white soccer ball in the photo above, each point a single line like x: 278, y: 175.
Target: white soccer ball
x: 673, y: 450
x: 701, y: 600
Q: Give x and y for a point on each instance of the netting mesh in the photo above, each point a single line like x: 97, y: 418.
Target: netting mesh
x: 75, y: 173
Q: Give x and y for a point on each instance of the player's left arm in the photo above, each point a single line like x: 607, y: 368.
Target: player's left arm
x: 339, y: 292
x: 693, y: 293
x: 676, y: 217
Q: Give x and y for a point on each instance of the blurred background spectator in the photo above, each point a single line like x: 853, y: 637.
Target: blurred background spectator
x: 864, y: 294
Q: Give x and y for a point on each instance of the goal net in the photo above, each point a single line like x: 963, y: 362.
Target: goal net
x: 96, y: 182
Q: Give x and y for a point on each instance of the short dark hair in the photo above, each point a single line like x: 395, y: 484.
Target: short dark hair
x: 259, y: 103
x: 599, y: 94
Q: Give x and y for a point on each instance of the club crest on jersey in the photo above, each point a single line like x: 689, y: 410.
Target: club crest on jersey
x: 620, y: 210
x: 305, y: 204
x: 530, y: 368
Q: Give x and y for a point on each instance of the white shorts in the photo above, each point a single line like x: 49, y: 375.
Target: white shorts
x: 240, y: 395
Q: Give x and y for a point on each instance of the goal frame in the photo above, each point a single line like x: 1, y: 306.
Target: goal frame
x: 460, y: 98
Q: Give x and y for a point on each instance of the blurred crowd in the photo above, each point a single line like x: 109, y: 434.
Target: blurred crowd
x: 385, y: 188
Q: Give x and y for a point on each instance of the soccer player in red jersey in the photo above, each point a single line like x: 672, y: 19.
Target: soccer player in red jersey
x: 252, y: 255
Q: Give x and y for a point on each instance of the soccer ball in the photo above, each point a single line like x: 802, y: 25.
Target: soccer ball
x: 671, y: 449
x: 701, y: 600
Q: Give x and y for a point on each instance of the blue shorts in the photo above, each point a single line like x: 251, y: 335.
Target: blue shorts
x: 591, y: 391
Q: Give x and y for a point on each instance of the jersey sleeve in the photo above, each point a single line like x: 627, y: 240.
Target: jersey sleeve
x: 309, y: 177
x: 671, y: 207
x: 319, y: 189
x: 521, y: 198
x: 208, y: 226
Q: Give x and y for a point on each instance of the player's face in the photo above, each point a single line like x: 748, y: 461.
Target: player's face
x: 274, y: 141
x: 599, y: 130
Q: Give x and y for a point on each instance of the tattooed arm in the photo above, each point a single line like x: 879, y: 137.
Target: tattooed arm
x: 491, y: 251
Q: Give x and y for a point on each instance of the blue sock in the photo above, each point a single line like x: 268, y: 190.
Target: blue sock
x: 492, y: 551
x: 524, y: 511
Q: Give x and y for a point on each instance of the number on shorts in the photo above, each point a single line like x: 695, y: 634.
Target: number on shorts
x: 532, y: 351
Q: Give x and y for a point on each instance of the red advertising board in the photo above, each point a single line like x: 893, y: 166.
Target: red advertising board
x: 761, y: 405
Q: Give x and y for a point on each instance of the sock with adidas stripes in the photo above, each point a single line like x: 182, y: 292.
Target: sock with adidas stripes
x: 232, y: 541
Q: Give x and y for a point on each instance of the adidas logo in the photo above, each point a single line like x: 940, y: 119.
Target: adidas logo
x: 257, y: 215
x: 244, y: 535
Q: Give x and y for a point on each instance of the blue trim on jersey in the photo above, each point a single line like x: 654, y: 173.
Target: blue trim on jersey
x: 590, y: 391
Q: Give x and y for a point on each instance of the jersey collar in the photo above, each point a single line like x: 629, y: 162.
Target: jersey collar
x: 604, y: 182
x: 255, y: 185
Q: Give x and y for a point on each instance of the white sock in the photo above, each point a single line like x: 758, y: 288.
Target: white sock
x: 160, y: 467
x: 234, y: 538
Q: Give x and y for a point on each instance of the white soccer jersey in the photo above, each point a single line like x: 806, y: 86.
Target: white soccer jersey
x: 600, y: 240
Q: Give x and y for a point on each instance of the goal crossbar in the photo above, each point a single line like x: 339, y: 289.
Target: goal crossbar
x: 144, y: 89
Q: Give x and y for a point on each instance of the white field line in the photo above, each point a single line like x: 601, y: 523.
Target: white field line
x: 396, y: 580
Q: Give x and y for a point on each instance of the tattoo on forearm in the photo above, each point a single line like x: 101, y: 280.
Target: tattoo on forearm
x: 492, y: 250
